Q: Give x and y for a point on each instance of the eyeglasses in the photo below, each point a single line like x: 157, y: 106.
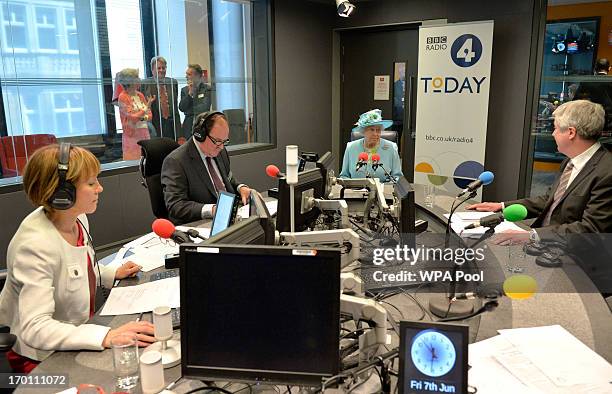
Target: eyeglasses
x: 219, y: 142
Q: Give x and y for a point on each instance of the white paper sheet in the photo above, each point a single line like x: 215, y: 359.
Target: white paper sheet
x: 561, y: 356
x: 458, y: 227
x: 143, y: 298
x: 272, y: 206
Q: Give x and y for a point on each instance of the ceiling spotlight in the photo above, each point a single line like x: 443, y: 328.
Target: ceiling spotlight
x: 345, y: 8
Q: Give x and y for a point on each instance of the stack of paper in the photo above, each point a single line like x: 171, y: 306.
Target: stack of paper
x: 537, y: 360
x: 143, y: 298
x: 462, y: 219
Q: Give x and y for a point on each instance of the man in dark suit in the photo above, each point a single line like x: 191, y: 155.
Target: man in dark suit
x: 166, y: 117
x: 580, y: 200
x: 195, y: 97
x: 193, y: 174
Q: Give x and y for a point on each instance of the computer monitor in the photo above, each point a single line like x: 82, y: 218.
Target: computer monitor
x: 259, y: 314
x: 245, y: 232
x: 225, y: 212
x: 324, y: 164
x: 405, y: 193
x: 310, y: 183
x: 257, y: 207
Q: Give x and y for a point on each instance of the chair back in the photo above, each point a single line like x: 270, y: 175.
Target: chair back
x: 389, y: 135
x: 154, y: 152
x: 15, y: 151
x: 236, y: 120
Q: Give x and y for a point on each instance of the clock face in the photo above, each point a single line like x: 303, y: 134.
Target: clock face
x: 433, y: 353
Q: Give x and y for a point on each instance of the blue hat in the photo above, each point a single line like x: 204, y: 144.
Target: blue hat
x: 372, y: 118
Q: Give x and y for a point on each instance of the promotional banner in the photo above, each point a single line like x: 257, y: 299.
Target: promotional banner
x: 452, y: 103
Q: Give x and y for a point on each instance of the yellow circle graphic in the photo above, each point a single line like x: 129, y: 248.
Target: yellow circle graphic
x: 437, y: 82
x: 520, y: 287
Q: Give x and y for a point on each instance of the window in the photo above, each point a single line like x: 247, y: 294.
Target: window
x: 71, y: 37
x: 46, y: 28
x: 14, y: 27
x: 70, y: 67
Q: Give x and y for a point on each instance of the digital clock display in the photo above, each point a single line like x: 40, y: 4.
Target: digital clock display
x: 433, y: 358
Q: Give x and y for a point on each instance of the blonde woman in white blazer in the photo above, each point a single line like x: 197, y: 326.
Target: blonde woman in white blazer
x: 51, y: 270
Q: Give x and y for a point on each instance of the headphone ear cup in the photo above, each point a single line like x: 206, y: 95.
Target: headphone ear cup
x: 64, y: 197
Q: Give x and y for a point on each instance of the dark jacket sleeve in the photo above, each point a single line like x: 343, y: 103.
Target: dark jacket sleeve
x: 534, y: 205
x: 595, y: 217
x: 176, y: 193
x: 186, y: 104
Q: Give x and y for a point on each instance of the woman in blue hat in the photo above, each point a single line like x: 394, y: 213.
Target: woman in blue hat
x: 372, y: 124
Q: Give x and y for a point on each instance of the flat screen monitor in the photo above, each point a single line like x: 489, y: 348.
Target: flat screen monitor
x: 225, y: 212
x: 310, y: 183
x: 260, y: 314
x: 257, y: 207
x: 245, y: 232
x: 405, y: 193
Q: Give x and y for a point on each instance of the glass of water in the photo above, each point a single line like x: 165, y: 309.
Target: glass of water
x: 516, y: 258
x: 125, y: 359
x: 429, y: 195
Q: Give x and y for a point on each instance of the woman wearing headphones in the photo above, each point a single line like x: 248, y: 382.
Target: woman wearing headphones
x: 51, y: 270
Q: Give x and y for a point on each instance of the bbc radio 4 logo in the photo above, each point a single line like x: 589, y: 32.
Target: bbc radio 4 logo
x: 466, y: 50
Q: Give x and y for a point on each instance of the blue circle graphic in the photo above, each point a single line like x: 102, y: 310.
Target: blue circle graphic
x: 466, y: 50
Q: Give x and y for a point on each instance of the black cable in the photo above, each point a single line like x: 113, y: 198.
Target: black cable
x: 489, y: 306
x: 210, y: 388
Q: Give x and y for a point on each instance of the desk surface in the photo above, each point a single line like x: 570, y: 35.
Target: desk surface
x: 585, y: 315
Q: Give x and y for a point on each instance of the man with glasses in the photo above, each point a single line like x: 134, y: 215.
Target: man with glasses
x: 193, y: 174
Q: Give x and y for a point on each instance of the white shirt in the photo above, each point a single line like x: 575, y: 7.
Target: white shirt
x: 580, y: 161
x: 207, y: 209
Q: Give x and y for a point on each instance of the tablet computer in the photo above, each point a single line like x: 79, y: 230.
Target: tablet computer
x: 225, y: 213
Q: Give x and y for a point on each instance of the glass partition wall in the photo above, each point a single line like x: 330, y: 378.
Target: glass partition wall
x: 104, y: 74
x: 576, y: 37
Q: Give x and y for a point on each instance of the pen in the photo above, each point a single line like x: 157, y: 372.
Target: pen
x: 139, y: 318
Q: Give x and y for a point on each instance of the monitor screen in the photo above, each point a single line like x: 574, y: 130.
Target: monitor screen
x: 310, y: 183
x: 260, y: 313
x: 246, y: 232
x: 224, y: 213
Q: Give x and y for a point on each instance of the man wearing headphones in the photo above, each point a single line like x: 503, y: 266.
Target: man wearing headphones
x: 193, y: 174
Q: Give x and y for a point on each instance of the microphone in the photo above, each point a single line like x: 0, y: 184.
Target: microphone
x: 483, y: 179
x: 513, y: 213
x: 489, y: 292
x: 362, y: 160
x: 376, y: 161
x: 273, y: 172
x: 194, y: 234
x: 165, y: 229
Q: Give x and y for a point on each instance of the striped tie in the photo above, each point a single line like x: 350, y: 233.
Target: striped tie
x: 563, y: 182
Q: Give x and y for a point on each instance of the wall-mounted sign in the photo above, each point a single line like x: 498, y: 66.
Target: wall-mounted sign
x: 381, y: 87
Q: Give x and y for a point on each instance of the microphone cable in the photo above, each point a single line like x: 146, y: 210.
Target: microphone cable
x: 93, y: 248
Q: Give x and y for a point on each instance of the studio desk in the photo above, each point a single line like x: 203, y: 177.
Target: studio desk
x: 583, y: 313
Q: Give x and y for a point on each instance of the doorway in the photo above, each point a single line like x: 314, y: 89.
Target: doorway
x: 366, y: 53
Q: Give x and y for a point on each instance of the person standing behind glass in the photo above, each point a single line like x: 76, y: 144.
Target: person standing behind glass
x: 372, y: 125
x: 166, y: 118
x: 195, y: 97
x: 135, y: 112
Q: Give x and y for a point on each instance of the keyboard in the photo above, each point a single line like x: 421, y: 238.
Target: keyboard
x: 176, y: 312
x: 164, y: 275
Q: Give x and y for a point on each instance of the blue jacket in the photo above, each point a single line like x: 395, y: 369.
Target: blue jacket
x: 389, y: 158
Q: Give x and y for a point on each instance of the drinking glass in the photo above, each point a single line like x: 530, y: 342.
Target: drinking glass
x: 125, y: 360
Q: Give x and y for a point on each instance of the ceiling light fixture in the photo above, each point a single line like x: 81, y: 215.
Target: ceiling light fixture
x: 344, y: 8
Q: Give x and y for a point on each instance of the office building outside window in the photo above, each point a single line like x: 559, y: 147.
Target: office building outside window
x: 61, y: 59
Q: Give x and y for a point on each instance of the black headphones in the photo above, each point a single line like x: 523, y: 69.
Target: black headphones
x: 64, y: 195
x: 200, y: 128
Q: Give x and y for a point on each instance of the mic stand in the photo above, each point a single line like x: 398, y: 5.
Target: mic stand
x: 446, y: 307
x: 389, y: 176
x: 450, y: 216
